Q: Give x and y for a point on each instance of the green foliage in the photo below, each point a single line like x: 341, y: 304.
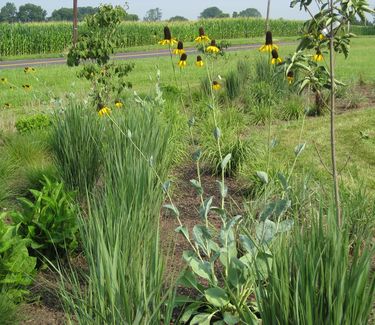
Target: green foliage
x: 212, y: 12
x: 49, y: 220
x: 30, y: 13
x: 178, y: 18
x: 76, y: 147
x: 17, y: 268
x: 316, y: 272
x: 317, y: 33
x: 121, y: 230
x: 66, y: 14
x: 8, y: 310
x: 97, y: 44
x: 100, y: 39
x: 222, y: 263
x: 33, y: 122
x: 249, y: 12
x: 8, y: 13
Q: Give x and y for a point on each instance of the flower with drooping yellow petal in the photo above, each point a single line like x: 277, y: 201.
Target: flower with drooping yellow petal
x: 199, y: 63
x: 318, y: 57
x: 118, y: 104
x: 104, y: 111
x: 29, y: 70
x: 268, y: 46
x: 180, y: 49
x: 168, y: 40
x: 182, y: 63
x: 215, y: 85
x: 275, y: 57
x: 26, y: 87
x: 290, y: 77
x: 202, y: 36
x: 213, y: 48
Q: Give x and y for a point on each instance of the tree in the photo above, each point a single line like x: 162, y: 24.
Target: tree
x: 153, y: 15
x: 131, y: 17
x: 235, y: 14
x: 30, y: 12
x: 8, y: 13
x: 86, y: 11
x: 250, y: 12
x: 66, y: 14
x: 213, y: 12
x: 178, y: 18
x: 62, y: 14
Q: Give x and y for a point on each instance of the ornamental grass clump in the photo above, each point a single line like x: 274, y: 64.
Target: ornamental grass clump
x: 318, y: 276
x: 125, y: 279
x: 76, y: 134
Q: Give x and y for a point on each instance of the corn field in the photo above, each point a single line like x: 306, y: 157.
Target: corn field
x: 45, y: 38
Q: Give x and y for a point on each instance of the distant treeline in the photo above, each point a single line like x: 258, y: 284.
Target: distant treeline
x: 33, y: 13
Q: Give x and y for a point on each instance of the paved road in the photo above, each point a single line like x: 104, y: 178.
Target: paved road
x: 119, y: 56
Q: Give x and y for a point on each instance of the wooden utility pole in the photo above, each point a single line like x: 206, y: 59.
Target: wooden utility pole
x: 75, y: 22
x: 268, y: 16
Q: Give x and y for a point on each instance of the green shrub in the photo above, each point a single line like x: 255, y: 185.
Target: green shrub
x: 232, y: 124
x: 33, y: 122
x: 314, y: 276
x: 76, y: 147
x: 17, y: 268
x: 238, y: 148
x: 49, y: 221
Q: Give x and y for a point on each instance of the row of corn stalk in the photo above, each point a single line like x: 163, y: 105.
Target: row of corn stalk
x: 46, y: 38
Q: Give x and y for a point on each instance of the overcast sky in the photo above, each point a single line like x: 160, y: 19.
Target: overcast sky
x: 187, y: 8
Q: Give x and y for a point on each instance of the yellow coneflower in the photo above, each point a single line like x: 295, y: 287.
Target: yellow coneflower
x: 275, y: 57
x: 215, y: 85
x: 168, y: 40
x: 29, y: 70
x: 318, y: 57
x: 213, y: 47
x: 26, y: 87
x: 180, y: 49
x: 290, y: 77
x: 104, y: 111
x: 202, y: 36
x: 118, y: 104
x: 4, y: 80
x: 268, y: 46
x: 7, y: 105
x: 199, y: 63
x: 182, y: 63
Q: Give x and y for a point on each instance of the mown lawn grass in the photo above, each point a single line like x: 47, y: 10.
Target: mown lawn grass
x: 355, y: 147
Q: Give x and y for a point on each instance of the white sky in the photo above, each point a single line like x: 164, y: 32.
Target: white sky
x: 187, y: 8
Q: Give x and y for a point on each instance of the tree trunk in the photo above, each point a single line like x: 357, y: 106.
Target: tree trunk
x: 332, y: 126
